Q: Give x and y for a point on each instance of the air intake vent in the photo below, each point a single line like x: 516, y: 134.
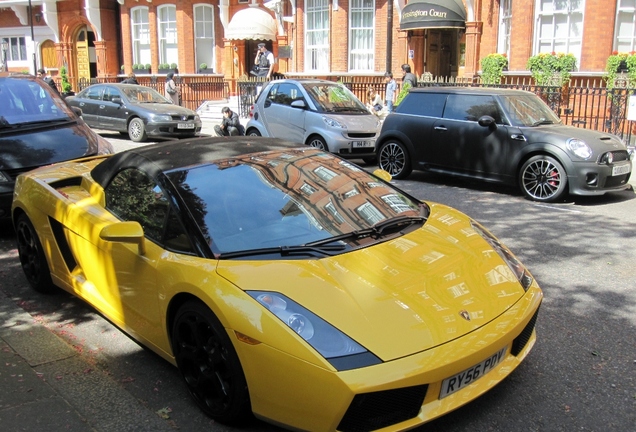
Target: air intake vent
x: 371, y: 411
x: 520, y: 341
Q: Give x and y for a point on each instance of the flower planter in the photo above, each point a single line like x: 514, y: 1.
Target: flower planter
x: 206, y: 71
x: 141, y: 71
x: 167, y: 71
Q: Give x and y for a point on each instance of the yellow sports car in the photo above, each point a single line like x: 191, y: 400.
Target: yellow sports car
x: 282, y: 280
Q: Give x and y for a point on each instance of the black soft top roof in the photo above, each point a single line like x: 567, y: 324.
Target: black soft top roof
x: 471, y: 90
x: 170, y: 155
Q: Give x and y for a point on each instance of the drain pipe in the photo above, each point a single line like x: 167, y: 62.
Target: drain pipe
x: 389, y: 39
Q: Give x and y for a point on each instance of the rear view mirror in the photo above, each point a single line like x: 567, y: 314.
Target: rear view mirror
x: 116, y: 100
x: 125, y: 232
x: 299, y: 104
x: 487, y: 121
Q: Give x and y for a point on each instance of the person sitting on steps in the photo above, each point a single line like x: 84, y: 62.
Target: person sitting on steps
x: 230, y: 125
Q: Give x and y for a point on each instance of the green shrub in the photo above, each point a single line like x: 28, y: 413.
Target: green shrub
x: 492, y: 67
x: 66, y: 85
x: 546, y: 67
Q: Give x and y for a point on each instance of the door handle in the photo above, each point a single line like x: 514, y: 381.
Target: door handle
x: 102, y: 106
x: 440, y: 128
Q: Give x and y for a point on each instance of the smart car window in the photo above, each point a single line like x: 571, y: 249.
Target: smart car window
x: 133, y: 196
x: 471, y: 107
x: 423, y: 104
x: 286, y: 94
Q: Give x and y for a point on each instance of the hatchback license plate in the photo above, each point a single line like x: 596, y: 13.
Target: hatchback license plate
x: 463, y: 379
x: 185, y: 125
x: 363, y: 143
x: 621, y: 169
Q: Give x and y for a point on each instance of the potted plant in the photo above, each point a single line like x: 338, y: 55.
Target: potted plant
x: 67, y: 88
x: 122, y: 69
x: 492, y: 67
x: 552, y: 69
x: 141, y: 68
x: 203, y: 69
x: 174, y: 67
x: 164, y: 68
x: 620, y: 70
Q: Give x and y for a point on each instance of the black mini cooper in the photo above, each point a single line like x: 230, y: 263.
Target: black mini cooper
x: 501, y: 135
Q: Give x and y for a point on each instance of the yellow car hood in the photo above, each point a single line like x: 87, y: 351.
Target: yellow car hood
x: 398, y: 297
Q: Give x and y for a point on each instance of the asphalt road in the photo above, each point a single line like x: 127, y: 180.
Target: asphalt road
x: 580, y: 376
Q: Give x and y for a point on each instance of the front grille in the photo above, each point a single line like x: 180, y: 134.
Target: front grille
x: 177, y: 117
x: 354, y: 135
x: 614, y: 181
x: 618, y: 156
x: 371, y: 411
x: 520, y: 341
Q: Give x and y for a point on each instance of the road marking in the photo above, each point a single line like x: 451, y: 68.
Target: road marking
x: 558, y: 208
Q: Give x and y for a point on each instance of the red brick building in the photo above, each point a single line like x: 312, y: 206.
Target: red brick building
x: 96, y: 38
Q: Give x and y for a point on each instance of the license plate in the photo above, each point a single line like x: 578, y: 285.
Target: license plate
x: 363, y: 143
x: 463, y: 379
x: 185, y: 125
x: 621, y: 169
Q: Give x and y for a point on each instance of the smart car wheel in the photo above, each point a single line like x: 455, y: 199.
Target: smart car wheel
x: 209, y: 364
x: 543, y: 178
x: 137, y: 130
x: 253, y: 132
x: 394, y: 159
x: 318, y: 142
x: 32, y: 257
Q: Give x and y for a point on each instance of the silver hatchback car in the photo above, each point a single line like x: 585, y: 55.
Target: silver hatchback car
x: 318, y: 113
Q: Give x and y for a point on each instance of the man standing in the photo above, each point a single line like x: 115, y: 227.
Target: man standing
x: 47, y: 79
x: 408, y: 76
x: 230, y: 125
x: 264, y: 61
x: 389, y: 94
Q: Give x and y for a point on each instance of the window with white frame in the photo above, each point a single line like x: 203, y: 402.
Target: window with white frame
x: 361, y: 35
x: 16, y: 50
x: 559, y: 26
x: 317, y: 35
x: 140, y: 31
x: 204, y: 34
x: 505, y: 24
x: 167, y: 27
x: 625, y: 32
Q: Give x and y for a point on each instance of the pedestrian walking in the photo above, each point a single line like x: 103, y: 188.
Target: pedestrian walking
x: 41, y: 73
x: 172, y: 91
x: 391, y: 89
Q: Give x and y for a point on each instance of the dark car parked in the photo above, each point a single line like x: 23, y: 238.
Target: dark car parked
x: 137, y: 110
x: 501, y: 135
x: 37, y: 128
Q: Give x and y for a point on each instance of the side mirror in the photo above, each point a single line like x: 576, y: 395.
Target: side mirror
x: 299, y: 104
x: 487, y: 121
x: 77, y: 111
x: 116, y: 100
x: 125, y: 232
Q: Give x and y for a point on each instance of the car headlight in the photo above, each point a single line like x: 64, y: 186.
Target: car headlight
x: 519, y: 270
x: 160, y: 117
x: 333, y: 123
x: 579, y: 148
x: 339, y: 349
x: 197, y: 118
x: 4, y: 178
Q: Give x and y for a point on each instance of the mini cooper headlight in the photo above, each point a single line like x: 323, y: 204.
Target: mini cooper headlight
x: 579, y: 148
x: 339, y: 349
x: 519, y: 270
x: 333, y: 123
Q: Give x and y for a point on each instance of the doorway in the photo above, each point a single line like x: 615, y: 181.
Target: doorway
x: 441, y: 52
x: 85, y: 53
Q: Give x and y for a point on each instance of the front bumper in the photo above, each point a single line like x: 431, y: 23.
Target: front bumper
x: 345, y: 146
x: 172, y: 129
x: 285, y: 390
x: 590, y: 178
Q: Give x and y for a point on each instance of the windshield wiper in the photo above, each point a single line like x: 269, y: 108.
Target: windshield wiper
x: 287, y: 251
x: 542, y: 122
x: 378, y: 230
x: 4, y: 124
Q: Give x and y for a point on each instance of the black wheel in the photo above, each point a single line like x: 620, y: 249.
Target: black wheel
x: 32, y: 257
x: 318, y: 142
x: 137, y: 130
x: 371, y: 160
x: 253, y: 132
x: 394, y: 158
x: 209, y: 364
x: 543, y: 178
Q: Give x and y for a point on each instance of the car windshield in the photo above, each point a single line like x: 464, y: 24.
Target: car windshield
x: 24, y: 101
x: 528, y: 110
x: 334, y: 98
x: 141, y: 94
x: 290, y: 198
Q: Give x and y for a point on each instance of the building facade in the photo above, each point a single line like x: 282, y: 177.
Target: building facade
x: 101, y: 38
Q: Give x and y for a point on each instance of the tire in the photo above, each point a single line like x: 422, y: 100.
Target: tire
x: 542, y: 178
x: 209, y: 364
x: 394, y: 159
x: 253, y: 132
x: 137, y: 130
x: 32, y: 258
x: 318, y: 142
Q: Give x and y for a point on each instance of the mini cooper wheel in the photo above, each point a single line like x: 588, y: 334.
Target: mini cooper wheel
x: 318, y: 142
x: 32, y: 257
x: 543, y: 178
x: 137, y: 130
x: 253, y: 132
x: 209, y: 364
x: 394, y: 159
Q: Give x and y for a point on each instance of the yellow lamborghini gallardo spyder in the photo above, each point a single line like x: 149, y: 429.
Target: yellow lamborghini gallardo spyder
x: 282, y: 280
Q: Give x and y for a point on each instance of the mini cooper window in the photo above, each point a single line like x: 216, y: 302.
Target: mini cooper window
x: 133, y: 196
x: 423, y: 104
x: 471, y: 107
